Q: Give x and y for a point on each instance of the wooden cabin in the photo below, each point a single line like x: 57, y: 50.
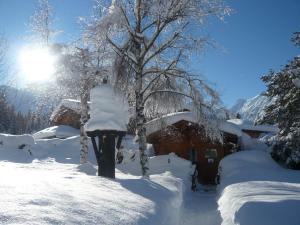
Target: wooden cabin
x: 67, y: 113
x: 180, y: 133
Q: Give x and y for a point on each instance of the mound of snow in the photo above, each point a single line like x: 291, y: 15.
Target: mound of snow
x: 55, y: 193
x: 16, y: 141
x: 87, y: 168
x: 109, y: 110
x: 256, y: 190
x: 61, y: 131
x: 16, y: 148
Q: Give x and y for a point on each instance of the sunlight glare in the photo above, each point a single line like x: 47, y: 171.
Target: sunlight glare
x: 37, y: 64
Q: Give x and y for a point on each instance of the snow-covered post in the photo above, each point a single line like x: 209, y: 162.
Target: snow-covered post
x: 108, y: 119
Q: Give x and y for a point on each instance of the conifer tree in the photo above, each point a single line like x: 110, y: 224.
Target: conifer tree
x: 285, y: 110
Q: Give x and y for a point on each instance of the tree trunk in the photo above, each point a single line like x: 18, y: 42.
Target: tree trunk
x: 83, y: 120
x: 141, y: 132
x: 140, y: 117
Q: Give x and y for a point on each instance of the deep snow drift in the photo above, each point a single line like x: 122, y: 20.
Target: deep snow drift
x: 45, y: 185
x: 257, y: 191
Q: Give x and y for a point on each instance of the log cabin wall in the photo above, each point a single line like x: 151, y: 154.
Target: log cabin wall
x: 67, y: 117
x: 181, y: 138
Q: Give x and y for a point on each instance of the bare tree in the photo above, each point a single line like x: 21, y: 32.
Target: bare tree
x: 79, y: 70
x: 154, y: 39
x: 41, y: 23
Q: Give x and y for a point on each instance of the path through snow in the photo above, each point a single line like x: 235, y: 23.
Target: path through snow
x: 200, y: 208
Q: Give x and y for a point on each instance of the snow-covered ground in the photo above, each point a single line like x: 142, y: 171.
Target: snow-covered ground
x: 256, y: 190
x: 46, y: 185
x: 43, y: 183
x: 47, y: 192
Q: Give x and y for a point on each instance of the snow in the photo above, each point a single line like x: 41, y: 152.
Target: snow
x: 251, y: 109
x: 230, y: 128
x: 23, y: 100
x: 44, y: 184
x: 54, y: 193
x: 55, y: 189
x: 256, y: 190
x: 109, y: 110
x: 297, y: 82
x: 248, y: 125
x: 172, y: 118
x: 16, y: 141
x: 72, y: 104
x: 61, y: 131
x: 169, y: 119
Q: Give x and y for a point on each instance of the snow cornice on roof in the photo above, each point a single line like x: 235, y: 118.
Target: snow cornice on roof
x: 247, y: 125
x: 172, y: 118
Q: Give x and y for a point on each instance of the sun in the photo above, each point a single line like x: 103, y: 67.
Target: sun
x: 37, y: 64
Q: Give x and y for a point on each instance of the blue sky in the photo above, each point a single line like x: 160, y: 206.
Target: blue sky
x: 253, y: 40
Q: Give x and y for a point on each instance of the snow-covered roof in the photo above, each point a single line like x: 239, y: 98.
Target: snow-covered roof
x: 230, y: 128
x: 66, y: 103
x: 167, y: 120
x: 248, y: 125
x: 72, y: 104
x: 172, y: 118
x: 61, y: 131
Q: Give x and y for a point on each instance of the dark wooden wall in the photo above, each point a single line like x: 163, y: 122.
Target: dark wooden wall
x: 183, y: 136
x: 67, y: 117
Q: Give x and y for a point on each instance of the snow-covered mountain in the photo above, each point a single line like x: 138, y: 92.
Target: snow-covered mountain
x: 25, y: 100
x: 251, y: 109
x: 21, y: 99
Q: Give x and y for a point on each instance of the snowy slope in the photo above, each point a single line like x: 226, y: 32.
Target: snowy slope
x: 256, y: 190
x: 47, y: 192
x: 22, y: 100
x: 251, y: 109
x: 47, y: 186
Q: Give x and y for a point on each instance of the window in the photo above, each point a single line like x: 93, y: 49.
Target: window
x: 211, y: 154
x: 193, y: 156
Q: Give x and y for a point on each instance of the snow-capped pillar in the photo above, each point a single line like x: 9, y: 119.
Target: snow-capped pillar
x: 108, y: 120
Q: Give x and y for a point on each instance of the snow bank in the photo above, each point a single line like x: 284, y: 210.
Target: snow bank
x: 61, y: 131
x: 16, y: 148
x: 67, y: 194
x: 109, y: 110
x: 54, y: 193
x: 256, y: 190
x: 16, y: 141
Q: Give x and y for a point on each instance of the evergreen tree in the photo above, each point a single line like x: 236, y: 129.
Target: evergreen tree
x: 285, y: 111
